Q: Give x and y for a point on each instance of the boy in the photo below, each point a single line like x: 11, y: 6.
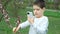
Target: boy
x: 38, y: 24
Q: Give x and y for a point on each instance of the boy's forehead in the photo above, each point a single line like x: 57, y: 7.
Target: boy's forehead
x: 36, y: 6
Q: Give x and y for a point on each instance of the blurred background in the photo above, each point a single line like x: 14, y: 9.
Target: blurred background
x: 20, y: 7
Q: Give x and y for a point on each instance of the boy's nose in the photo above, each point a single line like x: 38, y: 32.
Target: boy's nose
x: 35, y: 11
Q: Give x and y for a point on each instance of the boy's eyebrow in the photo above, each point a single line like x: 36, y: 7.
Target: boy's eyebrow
x: 35, y: 9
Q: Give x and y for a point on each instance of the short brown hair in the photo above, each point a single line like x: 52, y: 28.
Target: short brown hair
x: 40, y: 3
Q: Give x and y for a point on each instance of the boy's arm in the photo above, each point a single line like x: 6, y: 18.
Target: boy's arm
x: 22, y: 25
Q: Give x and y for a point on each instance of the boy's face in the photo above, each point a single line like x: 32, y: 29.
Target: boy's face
x: 38, y: 12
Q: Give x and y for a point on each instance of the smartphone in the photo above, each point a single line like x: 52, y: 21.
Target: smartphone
x: 30, y: 14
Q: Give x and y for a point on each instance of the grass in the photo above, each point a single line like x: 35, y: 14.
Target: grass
x: 54, y: 23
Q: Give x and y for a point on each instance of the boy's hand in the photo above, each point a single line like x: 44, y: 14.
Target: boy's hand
x: 31, y: 20
x: 14, y: 29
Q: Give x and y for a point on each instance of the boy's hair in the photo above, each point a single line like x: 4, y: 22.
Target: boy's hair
x: 40, y: 3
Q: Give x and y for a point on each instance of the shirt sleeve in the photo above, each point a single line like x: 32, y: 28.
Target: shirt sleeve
x: 41, y: 27
x: 24, y: 24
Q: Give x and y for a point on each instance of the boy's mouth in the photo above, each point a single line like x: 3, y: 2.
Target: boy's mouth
x: 36, y: 14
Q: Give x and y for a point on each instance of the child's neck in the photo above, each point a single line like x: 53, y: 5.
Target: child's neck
x: 39, y: 16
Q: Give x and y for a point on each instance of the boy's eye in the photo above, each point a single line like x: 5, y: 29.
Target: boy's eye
x: 36, y: 9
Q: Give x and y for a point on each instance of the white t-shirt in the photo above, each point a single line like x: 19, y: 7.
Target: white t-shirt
x: 40, y: 25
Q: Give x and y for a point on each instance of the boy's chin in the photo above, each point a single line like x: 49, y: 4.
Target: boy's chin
x: 37, y: 16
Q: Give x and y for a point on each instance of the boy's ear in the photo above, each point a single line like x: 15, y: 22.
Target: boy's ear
x: 43, y: 8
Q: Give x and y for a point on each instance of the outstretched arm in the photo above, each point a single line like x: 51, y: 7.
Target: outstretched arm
x: 22, y: 25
